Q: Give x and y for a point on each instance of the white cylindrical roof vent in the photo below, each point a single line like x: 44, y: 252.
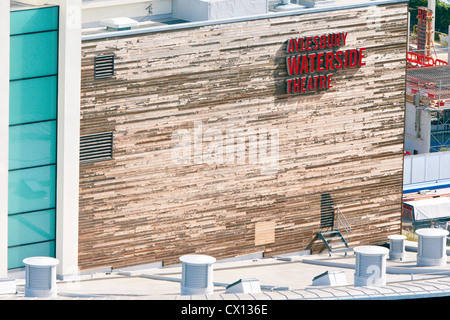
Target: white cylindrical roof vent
x: 396, y: 247
x: 40, y: 277
x: 431, y: 249
x: 370, y: 268
x: 197, y: 274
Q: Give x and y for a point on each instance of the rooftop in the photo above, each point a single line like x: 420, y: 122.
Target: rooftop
x: 287, y: 277
x: 163, y: 15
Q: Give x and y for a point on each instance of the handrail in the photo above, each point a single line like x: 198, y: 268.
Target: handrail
x: 347, y: 227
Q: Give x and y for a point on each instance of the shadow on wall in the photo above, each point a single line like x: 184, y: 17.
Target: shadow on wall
x: 327, y: 217
x: 326, y: 211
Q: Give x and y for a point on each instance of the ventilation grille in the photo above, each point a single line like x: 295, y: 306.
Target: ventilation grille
x: 431, y: 248
x: 39, y: 278
x: 104, y: 67
x: 397, y: 246
x: 365, y: 266
x: 196, y: 276
x: 96, y: 147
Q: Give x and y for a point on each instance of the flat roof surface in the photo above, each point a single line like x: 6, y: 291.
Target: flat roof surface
x: 286, y: 277
x: 427, y: 191
x: 160, y: 23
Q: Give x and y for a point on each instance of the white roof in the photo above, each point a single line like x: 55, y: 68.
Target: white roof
x: 431, y: 208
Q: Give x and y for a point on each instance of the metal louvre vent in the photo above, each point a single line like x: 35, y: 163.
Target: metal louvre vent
x: 366, y: 264
x: 396, y: 246
x: 431, y: 247
x: 104, y: 67
x: 39, y: 278
x: 196, y: 276
x: 96, y: 147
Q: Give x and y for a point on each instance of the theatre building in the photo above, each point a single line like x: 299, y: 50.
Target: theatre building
x: 141, y: 131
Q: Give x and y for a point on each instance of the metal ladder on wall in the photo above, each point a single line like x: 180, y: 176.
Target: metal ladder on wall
x: 334, y: 240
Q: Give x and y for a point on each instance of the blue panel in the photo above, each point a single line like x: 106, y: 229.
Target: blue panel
x: 17, y: 254
x: 32, y: 145
x: 32, y: 134
x: 34, y: 20
x: 31, y: 189
x: 34, y: 55
x: 31, y: 227
x: 33, y: 100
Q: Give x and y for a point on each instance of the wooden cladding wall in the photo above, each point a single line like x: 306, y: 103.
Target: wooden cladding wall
x: 344, y: 144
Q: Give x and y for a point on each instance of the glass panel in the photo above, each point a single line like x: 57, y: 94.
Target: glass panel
x: 32, y: 134
x: 34, y: 20
x: 32, y: 145
x: 31, y: 227
x: 33, y: 100
x: 31, y: 189
x: 17, y: 254
x: 34, y: 55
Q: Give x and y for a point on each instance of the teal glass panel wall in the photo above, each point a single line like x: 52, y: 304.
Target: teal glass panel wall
x: 36, y: 226
x: 33, y: 99
x: 35, y: 55
x: 35, y: 20
x: 32, y: 134
x: 17, y: 254
x: 31, y: 189
x: 32, y: 144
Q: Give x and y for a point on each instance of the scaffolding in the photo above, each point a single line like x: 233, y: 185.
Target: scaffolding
x: 431, y: 86
x: 424, y: 54
x: 432, y: 83
x: 428, y: 79
x: 425, y: 35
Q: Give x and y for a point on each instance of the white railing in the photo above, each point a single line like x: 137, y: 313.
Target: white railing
x: 341, y: 220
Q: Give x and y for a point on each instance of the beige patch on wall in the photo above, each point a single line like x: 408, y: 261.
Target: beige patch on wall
x: 264, y: 232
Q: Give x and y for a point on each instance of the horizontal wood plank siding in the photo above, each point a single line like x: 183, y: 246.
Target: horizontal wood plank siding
x: 347, y: 142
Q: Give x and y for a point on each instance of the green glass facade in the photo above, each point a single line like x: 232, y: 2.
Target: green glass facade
x: 32, y: 134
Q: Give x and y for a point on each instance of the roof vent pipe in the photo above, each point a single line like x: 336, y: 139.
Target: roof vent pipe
x: 431, y: 250
x: 197, y: 274
x: 40, y: 277
x: 396, y: 247
x: 370, y: 269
